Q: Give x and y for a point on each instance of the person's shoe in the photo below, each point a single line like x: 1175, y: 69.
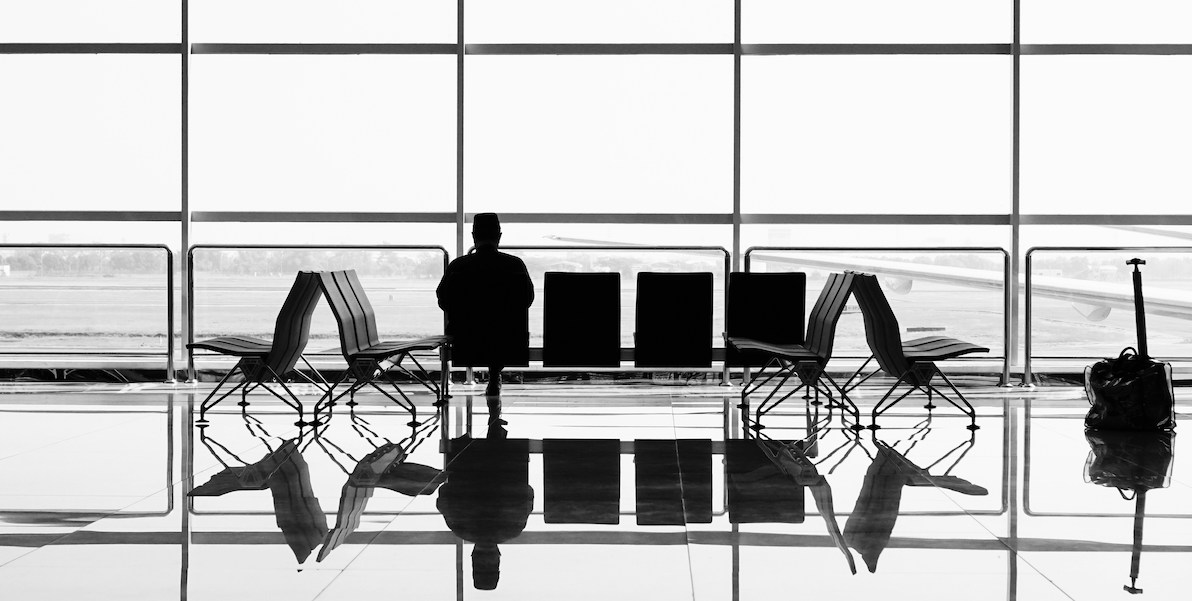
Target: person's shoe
x: 493, y: 388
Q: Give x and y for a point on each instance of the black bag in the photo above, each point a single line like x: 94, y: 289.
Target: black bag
x: 1129, y: 461
x: 1131, y: 392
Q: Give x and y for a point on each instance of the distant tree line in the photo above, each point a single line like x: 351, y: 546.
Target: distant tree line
x: 83, y: 261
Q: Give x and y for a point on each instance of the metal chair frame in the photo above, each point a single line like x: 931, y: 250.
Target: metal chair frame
x: 805, y: 362
x: 262, y: 361
x: 913, y: 364
x: 370, y: 359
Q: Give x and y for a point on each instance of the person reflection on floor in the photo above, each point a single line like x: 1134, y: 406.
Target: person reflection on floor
x: 487, y: 498
x: 486, y: 295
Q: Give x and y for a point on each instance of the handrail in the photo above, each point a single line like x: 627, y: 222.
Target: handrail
x: 728, y: 261
x: 1027, y: 376
x: 1008, y: 334
x: 190, y: 280
x: 170, y: 376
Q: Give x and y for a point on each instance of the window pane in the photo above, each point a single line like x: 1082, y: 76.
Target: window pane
x: 322, y: 133
x: 74, y: 300
x: 1083, y: 303
x: 853, y: 235
x: 945, y: 293
x: 1106, y: 22
x: 876, y: 134
x: 1106, y: 134
x: 238, y: 291
x: 605, y: 21
x: 323, y: 21
x: 93, y: 132
x: 437, y: 234
x: 876, y: 21
x: 92, y: 232
x: 90, y: 21
x: 599, y: 134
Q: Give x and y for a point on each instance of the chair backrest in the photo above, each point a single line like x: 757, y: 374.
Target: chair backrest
x: 292, y: 330
x: 673, y: 320
x: 881, y: 326
x: 825, y: 314
x: 353, y: 312
x: 581, y: 319
x: 764, y: 306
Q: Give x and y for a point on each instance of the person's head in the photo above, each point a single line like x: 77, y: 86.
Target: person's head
x: 486, y: 566
x: 486, y: 230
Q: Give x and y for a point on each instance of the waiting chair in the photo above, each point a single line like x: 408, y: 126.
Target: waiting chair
x: 263, y: 361
x: 804, y: 362
x: 369, y: 359
x: 914, y: 365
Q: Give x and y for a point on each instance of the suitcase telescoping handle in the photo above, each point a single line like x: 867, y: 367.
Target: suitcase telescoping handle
x: 1139, y: 310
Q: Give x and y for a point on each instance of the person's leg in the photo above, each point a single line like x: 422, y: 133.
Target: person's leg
x: 494, y: 380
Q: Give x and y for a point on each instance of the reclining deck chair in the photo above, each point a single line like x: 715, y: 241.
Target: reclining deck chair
x: 914, y: 365
x: 262, y: 361
x: 370, y: 359
x: 805, y: 362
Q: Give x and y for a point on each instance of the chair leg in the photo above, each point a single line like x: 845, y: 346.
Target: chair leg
x: 846, y: 403
x: 967, y: 407
x: 878, y: 409
x: 208, y: 403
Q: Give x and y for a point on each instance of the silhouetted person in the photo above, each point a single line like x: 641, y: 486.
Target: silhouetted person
x: 487, y: 498
x: 486, y: 295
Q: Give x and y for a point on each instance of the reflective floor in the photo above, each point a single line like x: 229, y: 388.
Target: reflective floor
x: 581, y: 492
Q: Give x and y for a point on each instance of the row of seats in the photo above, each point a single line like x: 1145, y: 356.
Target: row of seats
x: 581, y: 329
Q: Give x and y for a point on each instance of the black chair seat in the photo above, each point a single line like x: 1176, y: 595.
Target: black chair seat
x: 940, y: 350
x: 790, y: 352
x: 236, y: 346
x: 387, y: 349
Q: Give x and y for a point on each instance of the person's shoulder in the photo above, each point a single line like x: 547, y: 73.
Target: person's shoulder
x: 511, y: 259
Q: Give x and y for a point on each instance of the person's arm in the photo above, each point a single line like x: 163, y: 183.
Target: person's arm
x: 528, y: 284
x: 444, y: 291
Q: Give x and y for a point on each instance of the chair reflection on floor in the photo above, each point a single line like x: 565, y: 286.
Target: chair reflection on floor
x: 913, y: 364
x: 386, y: 466
x: 792, y: 461
x: 804, y: 362
x: 369, y: 359
x: 285, y: 473
x: 872, y: 520
x: 262, y: 361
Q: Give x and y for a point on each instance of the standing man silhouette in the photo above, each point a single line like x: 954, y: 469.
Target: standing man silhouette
x: 486, y: 295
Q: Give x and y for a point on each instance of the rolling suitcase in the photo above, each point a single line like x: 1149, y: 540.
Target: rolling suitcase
x: 1131, y: 391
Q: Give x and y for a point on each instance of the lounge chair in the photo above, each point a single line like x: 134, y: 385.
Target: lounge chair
x: 804, y: 362
x: 263, y: 361
x: 912, y: 364
x: 369, y: 359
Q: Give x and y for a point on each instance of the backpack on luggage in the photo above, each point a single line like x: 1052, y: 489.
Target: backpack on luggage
x: 1131, y: 391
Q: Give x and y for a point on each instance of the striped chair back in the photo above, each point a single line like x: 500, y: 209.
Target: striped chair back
x: 821, y: 322
x: 354, y: 314
x: 881, y: 326
x: 292, y: 330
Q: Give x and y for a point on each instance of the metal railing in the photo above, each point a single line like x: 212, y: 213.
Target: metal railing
x: 190, y: 280
x: 1008, y: 334
x: 169, y: 291
x: 1027, y: 374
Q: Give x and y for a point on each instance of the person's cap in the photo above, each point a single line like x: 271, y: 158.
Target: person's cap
x: 486, y: 224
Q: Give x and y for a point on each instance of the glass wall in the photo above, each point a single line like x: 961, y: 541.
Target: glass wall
x: 991, y: 123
